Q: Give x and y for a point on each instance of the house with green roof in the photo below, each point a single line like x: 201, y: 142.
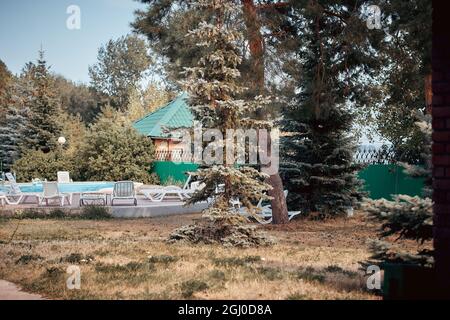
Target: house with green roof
x: 157, y: 126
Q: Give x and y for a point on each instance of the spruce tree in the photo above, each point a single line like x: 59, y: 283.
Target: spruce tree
x: 12, y: 125
x: 43, y: 128
x: 213, y: 86
x: 332, y: 51
x: 406, y: 217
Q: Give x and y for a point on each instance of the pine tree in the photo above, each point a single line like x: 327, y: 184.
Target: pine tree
x: 12, y: 126
x: 213, y: 86
x: 43, y: 128
x: 407, y: 217
x: 14, y: 119
x: 332, y: 52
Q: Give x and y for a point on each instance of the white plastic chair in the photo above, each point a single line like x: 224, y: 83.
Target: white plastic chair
x: 124, y: 190
x: 64, y: 177
x: 51, y: 191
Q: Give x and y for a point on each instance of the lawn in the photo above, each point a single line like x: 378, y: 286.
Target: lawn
x: 129, y: 259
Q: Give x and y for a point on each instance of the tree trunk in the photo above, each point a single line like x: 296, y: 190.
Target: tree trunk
x: 256, y: 44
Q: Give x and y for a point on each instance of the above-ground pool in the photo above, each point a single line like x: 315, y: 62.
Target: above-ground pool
x: 74, y: 187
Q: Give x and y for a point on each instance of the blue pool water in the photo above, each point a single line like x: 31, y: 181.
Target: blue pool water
x: 74, y: 187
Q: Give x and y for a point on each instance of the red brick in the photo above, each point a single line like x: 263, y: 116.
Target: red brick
x: 442, y: 215
x: 439, y: 172
x: 442, y: 184
x: 439, y: 148
x: 441, y: 112
x: 441, y: 136
x: 441, y: 87
x: 441, y: 160
x: 438, y: 76
x: 438, y: 100
x: 439, y: 123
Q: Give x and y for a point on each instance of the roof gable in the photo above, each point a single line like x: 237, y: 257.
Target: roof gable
x: 173, y: 115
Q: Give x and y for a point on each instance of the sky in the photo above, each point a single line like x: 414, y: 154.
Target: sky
x: 25, y: 25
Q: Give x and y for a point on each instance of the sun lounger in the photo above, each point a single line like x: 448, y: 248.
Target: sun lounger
x: 159, y: 194
x: 264, y: 213
x: 15, y: 196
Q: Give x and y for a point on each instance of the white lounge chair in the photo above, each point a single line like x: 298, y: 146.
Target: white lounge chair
x: 158, y: 194
x: 14, y: 196
x: 3, y: 199
x: 14, y: 191
x: 265, y: 212
x: 51, y: 191
x: 64, y: 177
x: 124, y: 190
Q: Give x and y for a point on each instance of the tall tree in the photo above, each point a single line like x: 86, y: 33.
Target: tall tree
x: 262, y: 22
x: 78, y: 99
x: 5, y: 82
x: 213, y: 86
x: 43, y: 128
x: 121, y: 65
x: 405, y: 53
x: 332, y: 52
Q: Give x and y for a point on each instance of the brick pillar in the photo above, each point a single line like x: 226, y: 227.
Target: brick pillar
x: 441, y: 141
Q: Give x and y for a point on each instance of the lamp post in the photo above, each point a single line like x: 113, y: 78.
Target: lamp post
x: 61, y: 141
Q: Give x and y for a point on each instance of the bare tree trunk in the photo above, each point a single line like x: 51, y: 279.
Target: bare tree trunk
x: 256, y: 44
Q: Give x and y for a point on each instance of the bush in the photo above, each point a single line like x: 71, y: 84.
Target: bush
x: 95, y: 213
x: 115, y: 151
x: 188, y: 288
x: 37, y: 164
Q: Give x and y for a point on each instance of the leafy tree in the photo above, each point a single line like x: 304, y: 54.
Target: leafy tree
x: 405, y: 57
x: 121, y: 65
x: 332, y: 51
x: 36, y: 164
x: 78, y: 99
x: 43, y: 127
x: 144, y: 102
x: 114, y: 150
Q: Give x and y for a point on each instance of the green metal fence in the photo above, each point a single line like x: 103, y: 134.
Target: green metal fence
x: 384, y: 180
x: 380, y: 180
x: 172, y: 171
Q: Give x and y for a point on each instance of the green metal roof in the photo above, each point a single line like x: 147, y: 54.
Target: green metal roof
x: 175, y: 114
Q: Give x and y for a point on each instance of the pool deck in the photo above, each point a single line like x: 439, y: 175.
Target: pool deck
x: 121, y: 209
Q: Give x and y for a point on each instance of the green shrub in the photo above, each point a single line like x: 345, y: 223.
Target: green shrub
x: 217, y: 275
x: 27, y: 258
x: 165, y: 259
x: 77, y: 258
x: 129, y: 267
x: 95, y: 213
x: 310, y: 274
x: 234, y: 261
x: 115, y: 151
x: 37, y: 164
x: 270, y: 273
x: 188, y: 288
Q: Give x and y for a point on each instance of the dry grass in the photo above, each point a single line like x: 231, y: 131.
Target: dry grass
x: 129, y: 259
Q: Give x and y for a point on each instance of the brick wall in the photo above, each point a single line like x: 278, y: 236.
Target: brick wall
x: 441, y: 140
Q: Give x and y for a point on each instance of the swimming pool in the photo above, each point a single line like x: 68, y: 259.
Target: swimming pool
x: 74, y: 187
